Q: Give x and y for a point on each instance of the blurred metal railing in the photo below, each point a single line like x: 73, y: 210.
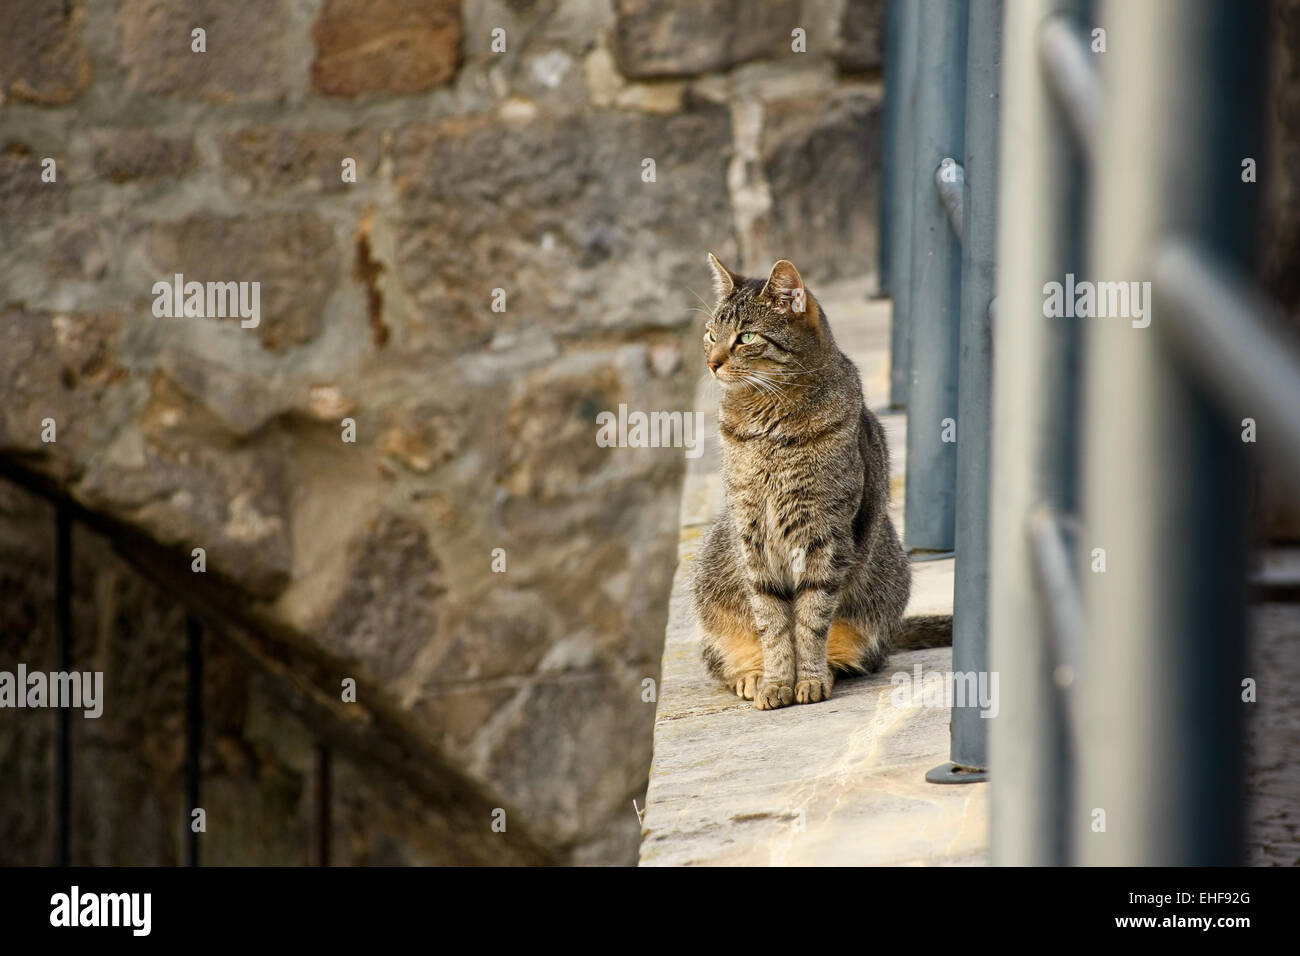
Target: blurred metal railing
x: 65, y: 520
x: 1108, y: 569
x: 1119, y: 637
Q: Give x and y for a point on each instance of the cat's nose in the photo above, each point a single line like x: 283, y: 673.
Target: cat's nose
x: 714, y: 365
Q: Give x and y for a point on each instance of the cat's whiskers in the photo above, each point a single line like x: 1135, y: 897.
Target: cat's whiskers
x: 701, y: 298
x: 791, y: 374
x: 767, y: 376
x: 752, y: 379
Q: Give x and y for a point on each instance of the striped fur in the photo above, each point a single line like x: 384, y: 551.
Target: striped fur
x: 802, y: 575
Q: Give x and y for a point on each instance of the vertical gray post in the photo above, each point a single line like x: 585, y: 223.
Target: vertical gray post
x: 935, y: 282
x: 979, y: 258
x: 1033, y: 384
x: 889, y: 134
x: 1163, y: 491
x: 899, y: 130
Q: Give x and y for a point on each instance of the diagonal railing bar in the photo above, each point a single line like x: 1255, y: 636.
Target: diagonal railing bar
x: 1233, y: 336
x: 1057, y: 579
x: 1073, y: 81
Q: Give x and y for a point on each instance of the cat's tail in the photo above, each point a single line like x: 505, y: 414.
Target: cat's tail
x: 923, y: 630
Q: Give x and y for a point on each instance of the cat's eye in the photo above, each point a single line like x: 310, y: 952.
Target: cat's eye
x: 708, y: 334
x: 747, y: 338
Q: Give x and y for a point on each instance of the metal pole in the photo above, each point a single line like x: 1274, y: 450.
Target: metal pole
x: 63, y: 630
x: 889, y: 132
x: 1160, y: 755
x: 899, y: 130
x: 935, y: 279
x: 194, y: 728
x: 979, y: 258
x: 1032, y: 450
x: 324, y: 802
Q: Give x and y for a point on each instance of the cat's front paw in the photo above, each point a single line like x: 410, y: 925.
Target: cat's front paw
x: 747, y: 685
x: 772, y: 696
x: 810, y: 690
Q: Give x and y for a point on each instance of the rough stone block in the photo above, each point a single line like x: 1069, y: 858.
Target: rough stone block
x: 268, y: 158
x: 43, y: 58
x: 385, y: 46
x: 862, y: 36
x: 288, y: 253
x: 815, y: 152
x: 654, y: 38
x: 557, y: 213
x: 247, y: 55
x: 24, y: 196
x: 141, y: 154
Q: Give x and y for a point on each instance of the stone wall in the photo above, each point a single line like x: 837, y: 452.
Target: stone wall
x: 476, y: 169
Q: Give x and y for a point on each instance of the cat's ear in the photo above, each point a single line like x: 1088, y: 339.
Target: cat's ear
x: 785, y: 288
x: 724, y: 280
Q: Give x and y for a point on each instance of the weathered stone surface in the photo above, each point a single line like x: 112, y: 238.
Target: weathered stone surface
x: 389, y: 46
x: 241, y: 402
x: 24, y: 196
x: 862, y: 35
x: 501, y: 631
x: 557, y: 214
x: 546, y: 461
x: 653, y: 38
x: 247, y: 49
x: 64, y: 367
x: 421, y: 435
x: 125, y: 155
x: 78, y: 251
x: 135, y: 454
x: 286, y: 252
x: 1272, y: 737
x: 43, y: 58
x: 269, y: 158
x: 551, y: 455
x: 814, y: 153
x: 186, y: 494
x: 546, y: 728
x: 387, y: 611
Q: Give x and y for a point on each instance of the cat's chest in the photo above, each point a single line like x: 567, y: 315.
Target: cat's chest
x: 766, y: 497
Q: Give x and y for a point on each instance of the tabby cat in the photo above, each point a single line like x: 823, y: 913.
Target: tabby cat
x: 802, y: 574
